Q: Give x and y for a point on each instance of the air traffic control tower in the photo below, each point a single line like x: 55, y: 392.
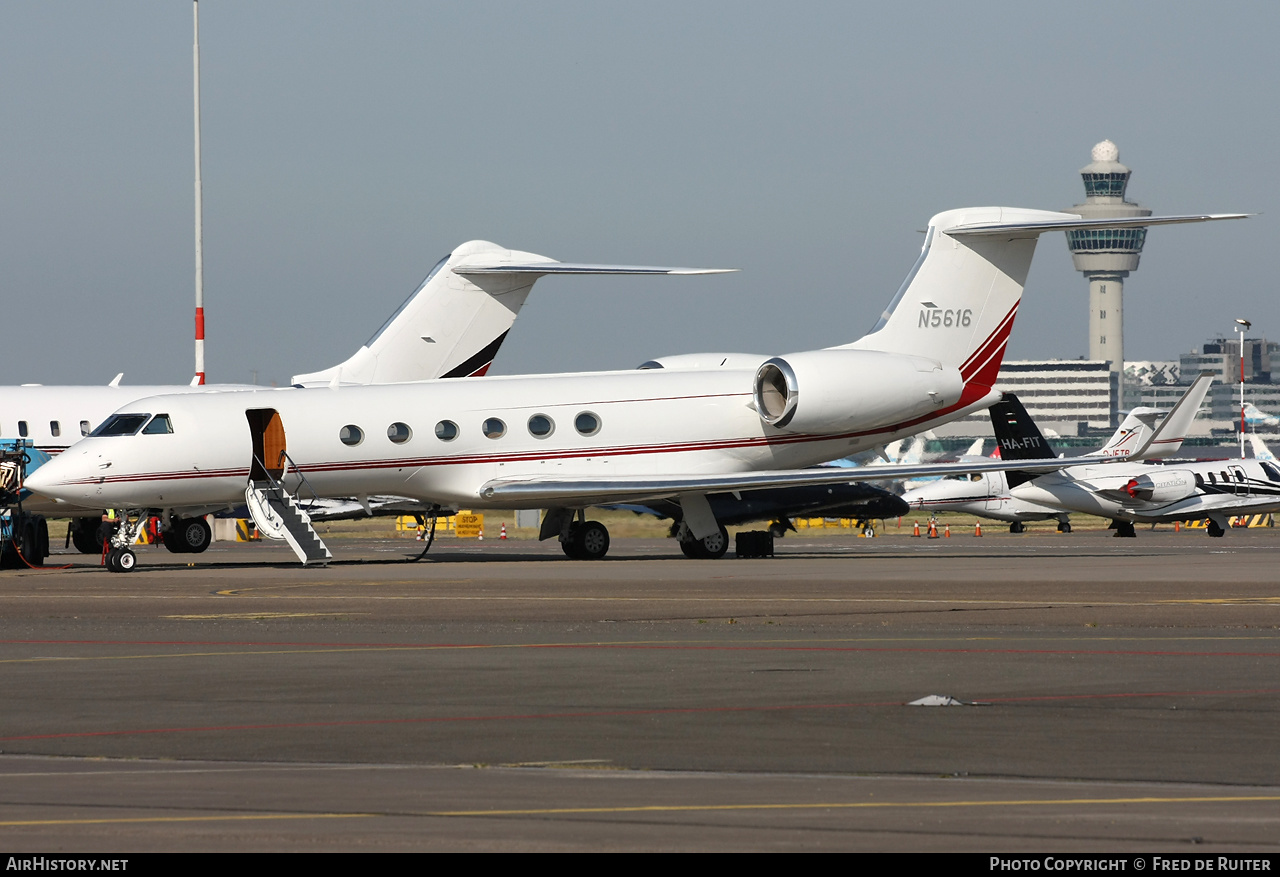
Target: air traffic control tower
x: 1106, y: 256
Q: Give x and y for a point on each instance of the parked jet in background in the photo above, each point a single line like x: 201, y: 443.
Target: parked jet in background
x: 567, y: 442
x: 1130, y: 494
x: 994, y: 495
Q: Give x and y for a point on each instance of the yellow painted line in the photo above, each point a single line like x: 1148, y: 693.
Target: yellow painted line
x: 259, y: 615
x: 237, y: 592
x: 859, y: 805
x: 163, y: 819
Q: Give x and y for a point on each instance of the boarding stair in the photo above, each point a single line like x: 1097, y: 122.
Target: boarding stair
x: 278, y: 515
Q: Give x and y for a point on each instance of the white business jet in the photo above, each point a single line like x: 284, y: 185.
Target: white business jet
x: 570, y: 441
x: 1143, y: 435
x: 452, y: 325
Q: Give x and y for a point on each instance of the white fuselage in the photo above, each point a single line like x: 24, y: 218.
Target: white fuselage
x: 1178, y: 492
x: 984, y: 495
x: 692, y: 422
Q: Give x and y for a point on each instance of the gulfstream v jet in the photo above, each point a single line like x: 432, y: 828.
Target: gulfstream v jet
x: 566, y: 442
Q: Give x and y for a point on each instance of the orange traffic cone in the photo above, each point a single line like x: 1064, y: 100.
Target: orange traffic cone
x: 1177, y: 526
x: 503, y: 534
x: 480, y: 537
x: 977, y: 528
x: 947, y: 531
x: 916, y: 530
x: 933, y: 529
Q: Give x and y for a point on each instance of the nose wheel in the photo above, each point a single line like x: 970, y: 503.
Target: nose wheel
x: 121, y: 560
x: 120, y: 557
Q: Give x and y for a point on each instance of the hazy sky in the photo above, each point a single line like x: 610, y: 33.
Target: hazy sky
x: 347, y: 146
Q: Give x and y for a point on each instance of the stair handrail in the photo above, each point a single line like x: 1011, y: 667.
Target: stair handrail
x: 280, y: 486
x: 302, y: 479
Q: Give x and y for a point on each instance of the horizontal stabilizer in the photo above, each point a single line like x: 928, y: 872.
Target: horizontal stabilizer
x: 546, y: 492
x: 1030, y: 229
x: 541, y: 268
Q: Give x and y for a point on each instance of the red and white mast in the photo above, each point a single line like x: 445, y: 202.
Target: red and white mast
x: 195, y: 6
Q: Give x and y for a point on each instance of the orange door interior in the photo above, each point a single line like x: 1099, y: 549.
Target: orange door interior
x: 268, y: 443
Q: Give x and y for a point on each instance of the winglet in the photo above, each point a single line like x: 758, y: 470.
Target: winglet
x: 115, y: 382
x: 1168, y: 436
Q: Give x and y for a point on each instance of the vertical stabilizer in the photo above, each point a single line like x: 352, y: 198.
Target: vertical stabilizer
x: 451, y: 326
x: 959, y: 301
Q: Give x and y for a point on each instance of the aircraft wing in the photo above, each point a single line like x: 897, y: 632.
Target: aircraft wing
x: 540, y: 491
x: 540, y: 268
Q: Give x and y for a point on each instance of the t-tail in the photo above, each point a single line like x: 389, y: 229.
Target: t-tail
x: 959, y: 302
x: 456, y: 320
x: 936, y: 351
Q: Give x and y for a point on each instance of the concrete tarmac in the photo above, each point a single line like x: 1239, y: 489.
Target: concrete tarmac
x: 1115, y: 695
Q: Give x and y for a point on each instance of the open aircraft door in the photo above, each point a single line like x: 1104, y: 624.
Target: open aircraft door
x: 269, y: 448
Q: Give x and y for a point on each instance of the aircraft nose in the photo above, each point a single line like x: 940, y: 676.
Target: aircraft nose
x: 54, y: 479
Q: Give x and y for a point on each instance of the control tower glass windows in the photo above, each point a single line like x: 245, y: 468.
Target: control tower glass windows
x: 1105, y: 185
x: 1124, y: 240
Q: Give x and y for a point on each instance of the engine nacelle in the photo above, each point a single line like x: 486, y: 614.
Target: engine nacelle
x: 1164, y: 486
x: 843, y: 390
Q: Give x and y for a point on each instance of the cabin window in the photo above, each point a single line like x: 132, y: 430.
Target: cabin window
x: 159, y: 425
x: 1212, y: 480
x: 1199, y: 479
x: 399, y: 433
x: 587, y: 423
x: 351, y: 435
x: 55, y: 428
x: 22, y: 428
x: 541, y: 426
x: 84, y: 427
x: 494, y: 428
x: 121, y: 424
x: 446, y: 430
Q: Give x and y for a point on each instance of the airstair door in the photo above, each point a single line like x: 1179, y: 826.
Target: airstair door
x: 267, y: 430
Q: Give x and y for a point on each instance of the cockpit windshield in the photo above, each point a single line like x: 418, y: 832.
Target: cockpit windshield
x: 159, y: 425
x: 120, y: 424
x: 1272, y: 472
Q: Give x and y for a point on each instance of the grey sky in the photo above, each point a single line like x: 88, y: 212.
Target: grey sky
x: 347, y: 146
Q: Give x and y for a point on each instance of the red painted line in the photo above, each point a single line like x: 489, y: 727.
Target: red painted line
x: 595, y: 714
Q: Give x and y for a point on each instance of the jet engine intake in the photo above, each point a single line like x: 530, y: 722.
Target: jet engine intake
x: 838, y: 390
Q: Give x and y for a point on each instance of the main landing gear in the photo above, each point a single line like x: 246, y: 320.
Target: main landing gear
x: 1124, y: 529
x: 712, y: 547
x: 187, y: 535
x: 585, y: 540
x: 1215, y: 529
x: 1017, y: 527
